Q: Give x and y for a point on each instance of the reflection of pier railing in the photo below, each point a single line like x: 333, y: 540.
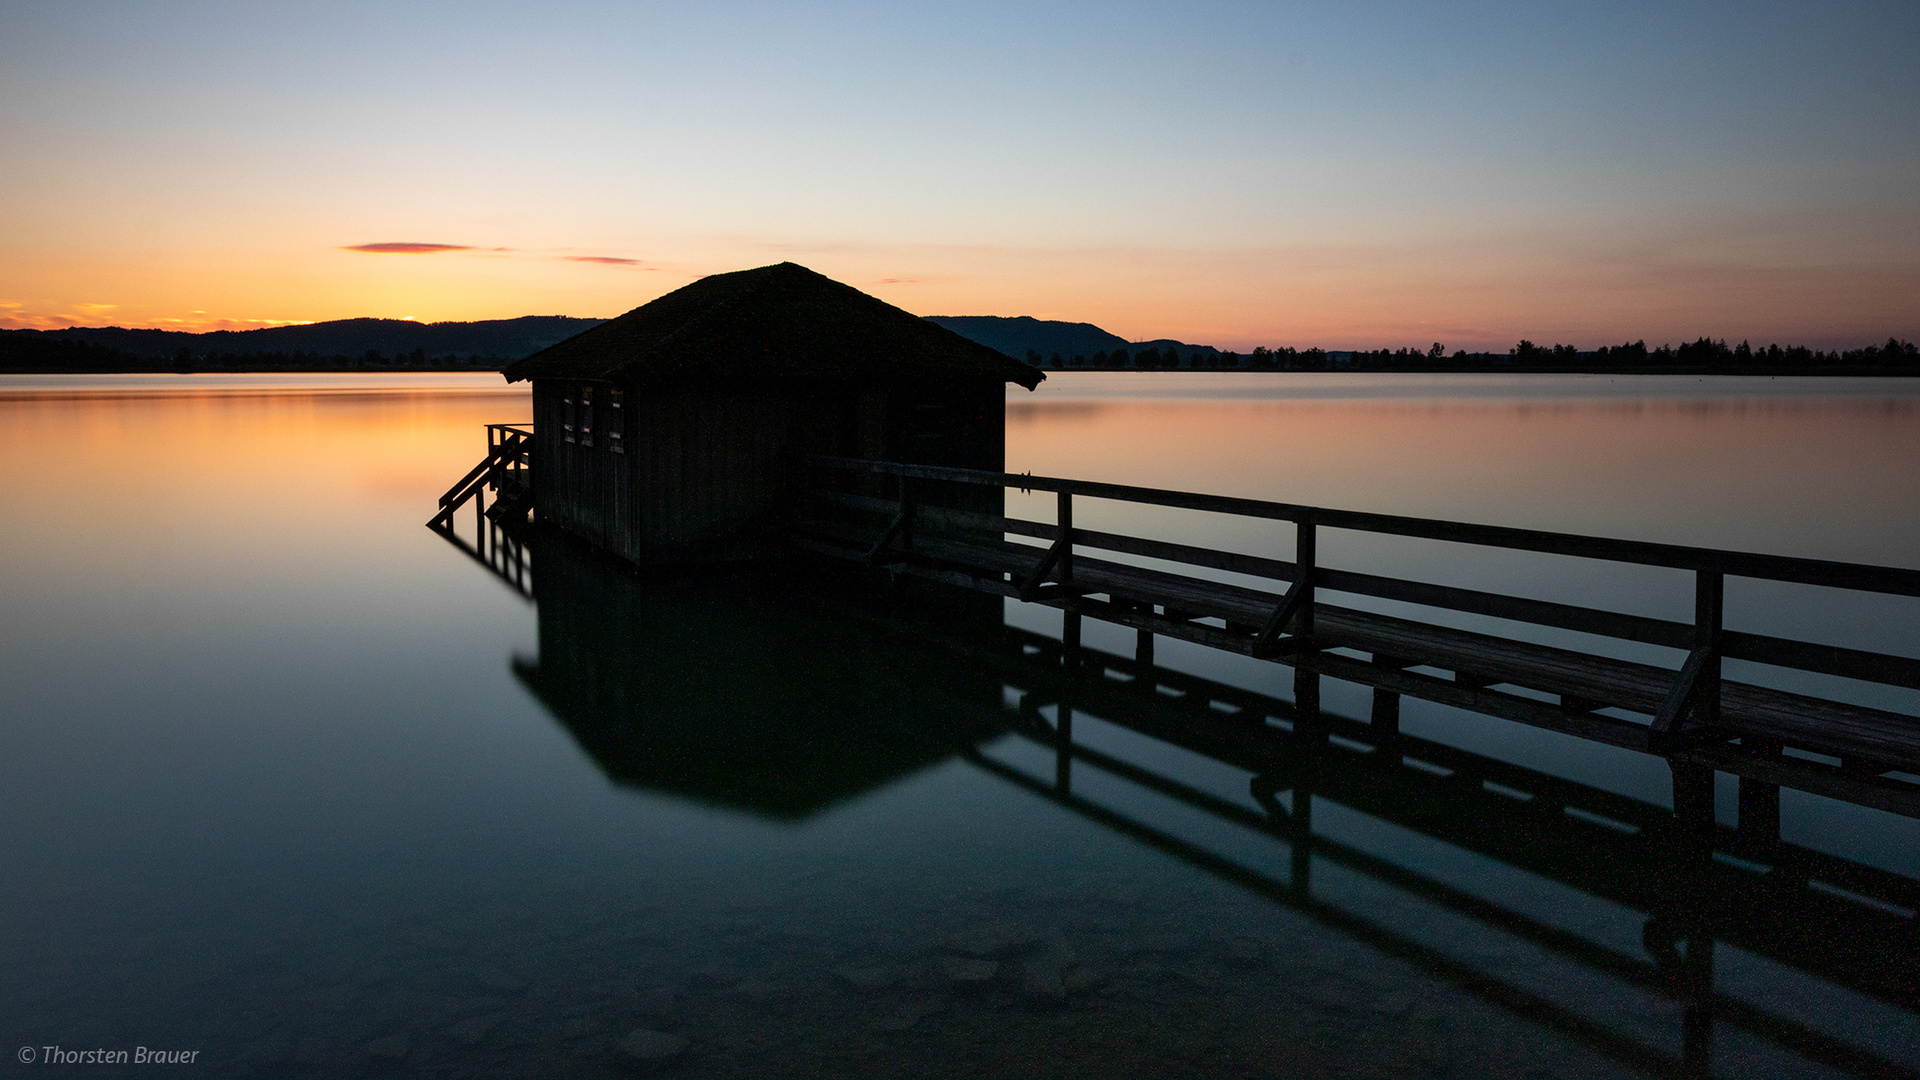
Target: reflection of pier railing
x: 1693, y: 716
x: 498, y: 539
x: 716, y: 695
x: 1694, y: 881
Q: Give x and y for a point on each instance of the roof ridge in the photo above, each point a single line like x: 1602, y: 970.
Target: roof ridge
x: 792, y: 323
x: 726, y: 304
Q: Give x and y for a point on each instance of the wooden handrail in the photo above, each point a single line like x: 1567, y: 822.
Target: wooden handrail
x: 458, y: 492
x: 501, y: 450
x: 1864, y: 665
x: 1895, y: 581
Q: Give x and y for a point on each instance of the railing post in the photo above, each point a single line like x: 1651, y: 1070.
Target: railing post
x: 1304, y: 554
x: 906, y: 514
x: 1709, y: 601
x: 1064, y: 519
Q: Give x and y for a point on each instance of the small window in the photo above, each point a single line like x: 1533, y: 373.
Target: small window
x: 616, y: 422
x: 586, y: 416
x: 568, y: 416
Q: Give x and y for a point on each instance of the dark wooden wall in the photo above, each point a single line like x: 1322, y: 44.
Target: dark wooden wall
x: 703, y: 474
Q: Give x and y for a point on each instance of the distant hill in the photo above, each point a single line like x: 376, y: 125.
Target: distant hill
x: 1021, y: 335
x: 341, y: 344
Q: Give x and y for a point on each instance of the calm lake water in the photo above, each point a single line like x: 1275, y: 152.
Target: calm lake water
x: 291, y: 782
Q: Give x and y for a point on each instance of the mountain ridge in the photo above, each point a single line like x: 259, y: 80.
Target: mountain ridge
x: 1021, y: 336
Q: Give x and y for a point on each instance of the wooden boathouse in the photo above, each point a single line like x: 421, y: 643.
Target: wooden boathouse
x: 670, y: 434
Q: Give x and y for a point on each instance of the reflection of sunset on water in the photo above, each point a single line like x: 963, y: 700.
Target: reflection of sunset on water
x: 119, y: 472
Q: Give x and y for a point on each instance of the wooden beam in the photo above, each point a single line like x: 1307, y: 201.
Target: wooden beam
x: 1266, y: 642
x: 1030, y: 587
x: 1059, y: 555
x: 901, y: 522
x: 1695, y: 694
x: 1664, y: 736
x: 1297, y: 605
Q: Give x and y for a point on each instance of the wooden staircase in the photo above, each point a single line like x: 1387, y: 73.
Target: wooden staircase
x: 500, y: 523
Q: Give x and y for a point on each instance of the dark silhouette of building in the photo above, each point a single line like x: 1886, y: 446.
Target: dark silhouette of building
x: 741, y: 692
x: 671, y: 434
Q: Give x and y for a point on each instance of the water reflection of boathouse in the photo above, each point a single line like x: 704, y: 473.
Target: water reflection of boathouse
x: 731, y: 692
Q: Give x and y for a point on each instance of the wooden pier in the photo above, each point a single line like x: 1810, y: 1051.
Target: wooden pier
x: 897, y: 516
x: 644, y: 674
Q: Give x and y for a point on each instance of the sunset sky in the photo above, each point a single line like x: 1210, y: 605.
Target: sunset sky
x: 1343, y: 175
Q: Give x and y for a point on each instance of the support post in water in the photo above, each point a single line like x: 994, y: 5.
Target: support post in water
x: 1385, y: 718
x: 1306, y: 703
x: 1386, y: 715
x: 907, y: 509
x: 1308, y: 737
x: 1692, y: 855
x: 1759, y: 821
x: 1063, y: 750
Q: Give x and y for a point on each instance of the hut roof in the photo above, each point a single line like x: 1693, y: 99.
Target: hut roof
x: 781, y: 322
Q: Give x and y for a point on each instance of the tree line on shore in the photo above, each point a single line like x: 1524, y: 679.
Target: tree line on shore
x: 1701, y: 356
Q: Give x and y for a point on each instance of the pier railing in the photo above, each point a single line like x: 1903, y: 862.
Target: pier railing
x: 1692, y: 710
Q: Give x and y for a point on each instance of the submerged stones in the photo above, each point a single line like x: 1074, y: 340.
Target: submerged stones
x: 991, y: 938
x: 969, y: 970
x: 1045, y: 975
x: 645, y: 1046
x: 906, y: 1013
x: 391, y: 1048
x: 471, y: 1030
x: 497, y: 981
x: 866, y: 979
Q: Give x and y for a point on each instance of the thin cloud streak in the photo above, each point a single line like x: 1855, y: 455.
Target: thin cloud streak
x: 398, y: 247
x: 11, y: 321
x: 607, y: 260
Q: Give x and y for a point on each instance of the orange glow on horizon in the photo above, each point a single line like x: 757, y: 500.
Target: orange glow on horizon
x: 1406, y: 297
